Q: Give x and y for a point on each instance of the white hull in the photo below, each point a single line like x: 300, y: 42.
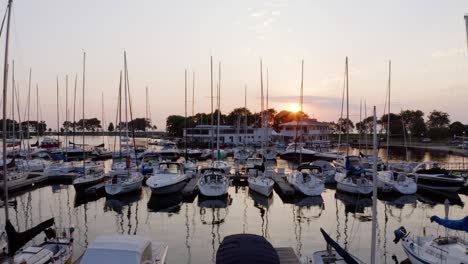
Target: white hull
x: 261, y: 185
x: 387, y: 181
x: 213, y: 185
x: 308, y: 185
x: 124, y: 184
x: 347, y: 184
x: 421, y: 251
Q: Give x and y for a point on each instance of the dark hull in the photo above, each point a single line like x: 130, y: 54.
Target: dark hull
x: 81, y: 187
x: 435, y: 183
x: 292, y: 156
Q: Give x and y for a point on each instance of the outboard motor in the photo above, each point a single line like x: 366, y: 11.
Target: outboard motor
x: 399, y: 234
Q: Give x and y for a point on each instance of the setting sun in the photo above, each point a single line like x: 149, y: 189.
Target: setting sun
x: 293, y: 108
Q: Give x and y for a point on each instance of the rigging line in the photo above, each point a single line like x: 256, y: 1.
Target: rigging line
x: 3, y: 21
x: 131, y: 112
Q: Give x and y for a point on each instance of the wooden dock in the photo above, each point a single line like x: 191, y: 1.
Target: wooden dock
x: 287, y: 255
x: 191, y: 187
x: 285, y: 188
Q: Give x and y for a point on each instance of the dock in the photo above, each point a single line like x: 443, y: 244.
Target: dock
x: 191, y: 187
x: 287, y: 255
x: 284, y: 187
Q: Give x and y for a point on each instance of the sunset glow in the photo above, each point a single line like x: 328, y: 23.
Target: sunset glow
x: 294, y: 108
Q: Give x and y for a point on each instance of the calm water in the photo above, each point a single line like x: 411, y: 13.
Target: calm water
x: 194, y: 229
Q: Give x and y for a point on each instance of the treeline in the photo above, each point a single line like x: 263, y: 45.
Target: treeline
x: 437, y: 125
x: 175, y: 124
x: 89, y: 125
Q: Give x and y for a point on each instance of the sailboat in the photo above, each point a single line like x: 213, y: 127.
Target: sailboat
x: 89, y: 177
x: 129, y: 180
x: 241, y: 154
x: 214, y: 181
x: 169, y: 178
x: 303, y: 179
x: 267, y: 152
x: 431, y: 249
x: 261, y: 183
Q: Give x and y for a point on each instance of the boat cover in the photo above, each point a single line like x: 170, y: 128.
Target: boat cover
x: 343, y: 253
x: 246, y: 248
x: 353, y: 170
x: 461, y: 224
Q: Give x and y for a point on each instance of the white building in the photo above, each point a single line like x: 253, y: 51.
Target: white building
x: 229, y: 134
x: 311, y: 131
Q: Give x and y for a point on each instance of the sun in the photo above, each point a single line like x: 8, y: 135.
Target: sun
x: 293, y: 107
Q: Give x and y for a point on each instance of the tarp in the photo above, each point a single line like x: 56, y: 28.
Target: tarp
x: 246, y: 248
x: 343, y: 253
x: 352, y: 170
x: 16, y: 240
x: 461, y: 224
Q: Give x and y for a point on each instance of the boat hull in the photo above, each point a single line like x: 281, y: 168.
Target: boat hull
x: 296, y: 156
x: 432, y: 183
x: 263, y: 188
x: 173, y: 188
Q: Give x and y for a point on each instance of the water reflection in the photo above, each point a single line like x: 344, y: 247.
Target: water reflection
x: 125, y: 211
x: 398, y: 201
x: 170, y: 203
x: 354, y: 204
x: 434, y: 197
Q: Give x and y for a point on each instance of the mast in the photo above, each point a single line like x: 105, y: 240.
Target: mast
x: 74, y: 110
x: 245, y: 115
x: 120, y: 115
x: 347, y: 108
x: 37, y: 112
x: 29, y: 109
x: 365, y: 114
x: 341, y: 115
x: 219, y: 112
x: 262, y: 111
x: 388, y: 115
x: 126, y: 107
x: 66, y: 116
x: 4, y: 125
x: 58, y: 116
x: 302, y: 102
x: 185, y: 119
x: 146, y: 116
x: 83, y: 112
x: 374, y: 193
x: 13, y: 102
x: 212, y: 117
x: 193, y: 94
x: 360, y: 120
x: 102, y: 117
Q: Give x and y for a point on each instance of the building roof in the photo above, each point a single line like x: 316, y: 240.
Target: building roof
x: 307, y: 122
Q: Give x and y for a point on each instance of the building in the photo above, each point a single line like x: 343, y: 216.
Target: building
x: 229, y: 134
x: 311, y: 131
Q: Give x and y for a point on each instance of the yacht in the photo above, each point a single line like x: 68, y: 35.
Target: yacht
x: 169, y: 178
x: 169, y: 152
x: 222, y: 165
x: 130, y: 249
x: 32, y: 165
x: 59, y: 169
x: 295, y: 151
x: 87, y: 180
x: 306, y: 181
x: 327, y: 171
x: 398, y: 182
x: 213, y: 182
x: 48, y: 143
x: 429, y: 175
x: 261, y: 182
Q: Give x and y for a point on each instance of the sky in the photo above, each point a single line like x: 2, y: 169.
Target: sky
x: 424, y: 39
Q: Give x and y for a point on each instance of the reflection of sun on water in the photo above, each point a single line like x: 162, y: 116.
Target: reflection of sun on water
x: 293, y: 107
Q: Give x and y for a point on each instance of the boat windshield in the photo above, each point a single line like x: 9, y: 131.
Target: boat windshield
x: 169, y: 168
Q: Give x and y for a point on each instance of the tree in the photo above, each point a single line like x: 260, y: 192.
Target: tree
x: 139, y: 124
x: 456, y: 129
x: 366, y: 125
x: 438, y: 119
x: 175, y: 125
x: 344, y: 123
x: 285, y: 116
x: 414, y: 122
x: 396, y: 125
x: 110, y: 128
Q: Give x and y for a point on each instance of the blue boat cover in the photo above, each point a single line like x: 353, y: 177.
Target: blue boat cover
x: 246, y: 248
x: 353, y: 170
x: 461, y: 224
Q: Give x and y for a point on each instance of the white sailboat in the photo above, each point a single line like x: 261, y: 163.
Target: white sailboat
x: 90, y: 177
x: 260, y: 182
x: 128, y: 181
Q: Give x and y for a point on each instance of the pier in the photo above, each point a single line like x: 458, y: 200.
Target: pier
x: 37, y: 178
x: 191, y: 187
x: 284, y: 187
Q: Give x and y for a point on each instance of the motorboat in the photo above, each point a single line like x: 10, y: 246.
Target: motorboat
x: 130, y: 249
x: 56, y: 248
x: 327, y: 171
x: 213, y: 182
x: 352, y: 177
x: 169, y: 152
x: 169, y: 178
x: 118, y: 184
x: 436, y: 249
x: 49, y: 143
x: 192, y: 153
x: 398, y: 182
x: 429, y: 175
x: 261, y: 182
x: 241, y: 154
x: 222, y: 165
x: 296, y: 151
x: 305, y: 180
